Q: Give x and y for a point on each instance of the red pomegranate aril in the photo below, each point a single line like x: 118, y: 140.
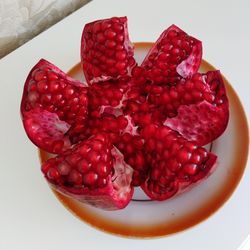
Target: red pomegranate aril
x: 173, y: 165
x: 83, y: 166
x: 183, y: 155
x: 42, y: 86
x: 75, y: 178
x: 53, y: 174
x: 63, y: 168
x: 54, y: 86
x: 90, y: 179
x: 138, y: 178
x: 155, y: 174
x: 102, y: 182
x: 102, y: 169
x: 39, y: 75
x: 57, y: 145
x: 190, y: 169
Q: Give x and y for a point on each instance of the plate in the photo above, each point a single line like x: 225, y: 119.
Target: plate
x: 146, y: 218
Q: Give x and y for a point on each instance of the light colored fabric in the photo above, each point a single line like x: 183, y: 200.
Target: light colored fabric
x: 20, y: 20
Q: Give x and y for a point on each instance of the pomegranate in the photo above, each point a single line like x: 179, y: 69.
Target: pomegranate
x: 54, y: 108
x: 174, y: 55
x: 129, y: 125
x: 106, y: 51
x: 175, y: 163
x: 94, y: 172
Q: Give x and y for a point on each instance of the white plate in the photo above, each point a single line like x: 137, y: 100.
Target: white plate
x: 146, y: 218
x: 30, y: 216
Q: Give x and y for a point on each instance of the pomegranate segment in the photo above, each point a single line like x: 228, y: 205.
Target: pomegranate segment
x: 175, y: 55
x: 94, y: 172
x: 175, y: 163
x: 204, y: 111
x: 49, y: 94
x: 106, y: 51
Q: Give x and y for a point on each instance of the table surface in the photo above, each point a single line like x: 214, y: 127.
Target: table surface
x: 26, y: 221
x: 21, y: 20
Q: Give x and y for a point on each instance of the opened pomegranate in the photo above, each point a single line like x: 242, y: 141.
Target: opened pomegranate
x: 174, y: 55
x: 106, y: 51
x: 54, y: 108
x: 93, y: 171
x: 129, y: 125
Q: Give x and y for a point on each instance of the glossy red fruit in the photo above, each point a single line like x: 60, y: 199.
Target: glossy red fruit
x: 54, y: 108
x: 106, y: 51
x: 94, y: 172
x: 201, y: 107
x: 157, y: 116
x: 175, y: 164
x: 174, y: 55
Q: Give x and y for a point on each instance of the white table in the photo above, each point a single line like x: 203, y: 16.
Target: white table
x: 30, y: 216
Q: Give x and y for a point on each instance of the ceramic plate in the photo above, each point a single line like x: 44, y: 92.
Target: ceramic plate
x: 146, y: 218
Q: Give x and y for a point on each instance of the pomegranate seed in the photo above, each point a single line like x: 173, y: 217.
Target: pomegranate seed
x: 90, y: 179
x: 83, y: 166
x: 75, y: 177
x: 53, y: 174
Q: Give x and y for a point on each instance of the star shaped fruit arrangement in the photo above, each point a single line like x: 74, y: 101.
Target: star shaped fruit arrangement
x: 128, y: 125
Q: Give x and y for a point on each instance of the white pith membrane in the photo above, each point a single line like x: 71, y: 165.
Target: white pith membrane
x: 42, y: 120
x: 189, y: 114
x: 122, y: 176
x: 191, y: 60
x: 47, y: 123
